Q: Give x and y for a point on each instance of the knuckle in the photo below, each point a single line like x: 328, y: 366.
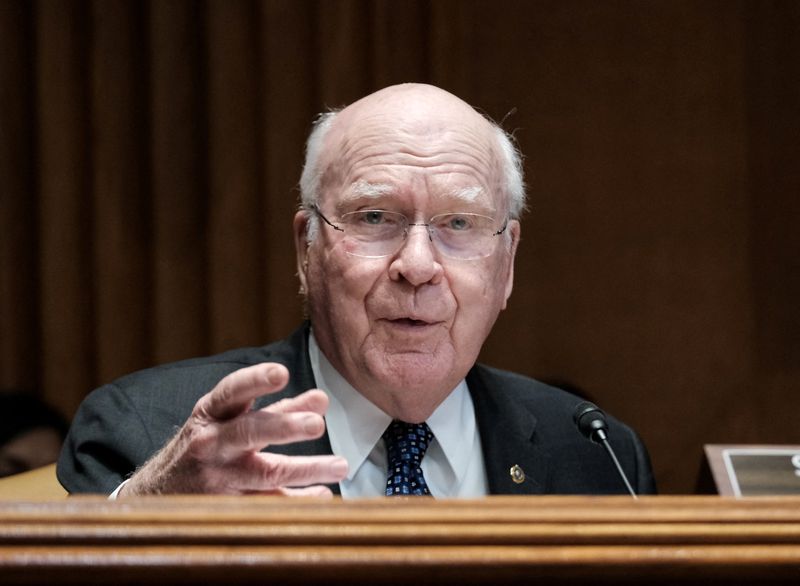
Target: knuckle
x: 201, y: 440
x: 286, y: 426
x: 223, y: 391
x: 276, y: 470
x: 282, y: 426
x: 245, y: 433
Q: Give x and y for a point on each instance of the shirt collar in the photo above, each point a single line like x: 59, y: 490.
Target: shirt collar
x: 355, y: 425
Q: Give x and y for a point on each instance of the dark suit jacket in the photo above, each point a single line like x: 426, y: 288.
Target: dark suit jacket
x: 521, y: 421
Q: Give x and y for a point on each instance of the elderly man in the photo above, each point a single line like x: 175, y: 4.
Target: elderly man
x: 405, y: 251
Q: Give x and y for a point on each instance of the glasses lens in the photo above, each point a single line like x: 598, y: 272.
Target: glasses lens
x: 373, y: 233
x: 464, y: 236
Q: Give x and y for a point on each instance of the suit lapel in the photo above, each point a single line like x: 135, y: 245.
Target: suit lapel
x: 506, y: 427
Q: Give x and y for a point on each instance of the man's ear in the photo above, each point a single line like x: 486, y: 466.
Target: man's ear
x: 514, y: 230
x: 300, y: 228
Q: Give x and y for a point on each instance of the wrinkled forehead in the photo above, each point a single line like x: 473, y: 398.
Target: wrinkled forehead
x: 440, y: 140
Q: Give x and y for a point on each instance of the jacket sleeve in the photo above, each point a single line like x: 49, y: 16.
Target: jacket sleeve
x: 107, y: 441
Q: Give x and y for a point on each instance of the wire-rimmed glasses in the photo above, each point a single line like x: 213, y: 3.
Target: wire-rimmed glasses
x: 380, y: 233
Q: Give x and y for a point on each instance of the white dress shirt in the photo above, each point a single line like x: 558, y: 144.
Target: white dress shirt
x: 453, y: 465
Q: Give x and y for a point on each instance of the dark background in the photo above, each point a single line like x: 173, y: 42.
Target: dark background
x: 149, y: 155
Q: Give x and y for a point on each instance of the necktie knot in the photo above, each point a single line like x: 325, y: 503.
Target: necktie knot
x: 406, y: 444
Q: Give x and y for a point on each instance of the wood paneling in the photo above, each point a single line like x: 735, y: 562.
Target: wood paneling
x: 121, y: 236
x: 19, y: 250
x: 289, y: 103
x: 773, y: 142
x: 179, y: 185
x: 65, y: 296
x: 574, y: 540
x: 236, y: 249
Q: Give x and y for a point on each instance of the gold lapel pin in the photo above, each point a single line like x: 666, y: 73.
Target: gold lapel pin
x: 517, y: 474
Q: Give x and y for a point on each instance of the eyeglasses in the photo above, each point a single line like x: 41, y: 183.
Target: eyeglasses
x: 380, y: 233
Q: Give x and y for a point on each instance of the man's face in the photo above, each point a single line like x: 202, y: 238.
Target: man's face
x: 405, y: 328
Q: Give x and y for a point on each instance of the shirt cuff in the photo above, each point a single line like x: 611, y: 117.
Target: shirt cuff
x: 113, y: 495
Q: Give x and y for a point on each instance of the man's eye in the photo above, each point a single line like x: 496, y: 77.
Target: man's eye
x: 459, y: 223
x: 373, y: 217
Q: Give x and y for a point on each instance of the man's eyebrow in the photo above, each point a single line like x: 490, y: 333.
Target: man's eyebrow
x: 365, y: 189
x: 467, y: 194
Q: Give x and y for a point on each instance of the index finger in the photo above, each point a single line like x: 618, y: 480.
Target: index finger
x: 235, y: 393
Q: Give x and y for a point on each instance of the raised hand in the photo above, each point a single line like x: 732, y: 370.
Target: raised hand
x: 218, y: 449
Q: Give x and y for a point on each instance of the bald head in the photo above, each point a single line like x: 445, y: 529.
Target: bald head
x: 414, y: 108
x: 418, y: 111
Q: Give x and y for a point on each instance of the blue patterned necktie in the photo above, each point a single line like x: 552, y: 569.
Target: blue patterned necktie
x: 406, y: 444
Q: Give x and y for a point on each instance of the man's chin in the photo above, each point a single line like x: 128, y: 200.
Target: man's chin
x: 414, y: 370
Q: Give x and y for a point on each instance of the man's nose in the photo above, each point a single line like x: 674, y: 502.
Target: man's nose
x: 416, y: 261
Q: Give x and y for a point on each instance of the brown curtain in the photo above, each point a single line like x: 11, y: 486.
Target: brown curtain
x: 149, y: 155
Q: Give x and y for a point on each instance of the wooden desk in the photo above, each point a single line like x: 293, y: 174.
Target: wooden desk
x: 500, y: 540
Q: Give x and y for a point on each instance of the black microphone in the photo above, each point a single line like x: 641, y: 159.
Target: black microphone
x: 592, y: 423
